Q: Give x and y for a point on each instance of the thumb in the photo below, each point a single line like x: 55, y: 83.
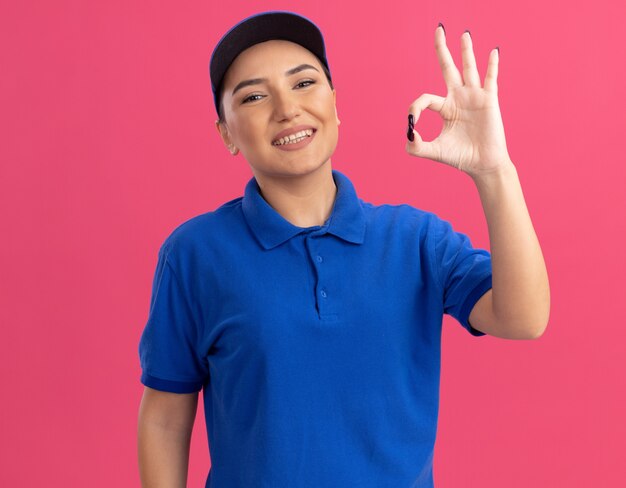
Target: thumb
x: 421, y: 148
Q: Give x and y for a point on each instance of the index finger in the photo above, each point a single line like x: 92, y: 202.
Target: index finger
x: 451, y: 74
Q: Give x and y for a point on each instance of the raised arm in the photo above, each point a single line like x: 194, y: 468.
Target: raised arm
x: 518, y: 306
x: 472, y: 140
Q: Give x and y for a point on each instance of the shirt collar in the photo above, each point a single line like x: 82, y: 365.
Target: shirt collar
x: 347, y: 219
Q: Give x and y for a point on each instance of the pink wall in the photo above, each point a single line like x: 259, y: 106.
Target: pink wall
x: 108, y: 143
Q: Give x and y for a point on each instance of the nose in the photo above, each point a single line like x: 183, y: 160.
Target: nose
x: 286, y: 106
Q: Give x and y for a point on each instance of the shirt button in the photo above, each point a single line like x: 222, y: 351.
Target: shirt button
x: 319, y: 259
x: 323, y: 293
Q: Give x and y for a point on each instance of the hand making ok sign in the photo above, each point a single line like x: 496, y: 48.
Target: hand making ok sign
x: 472, y: 139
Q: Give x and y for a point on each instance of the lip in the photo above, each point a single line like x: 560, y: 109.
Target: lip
x: 292, y: 130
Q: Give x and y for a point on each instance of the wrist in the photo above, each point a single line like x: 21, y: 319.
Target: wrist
x: 495, y: 176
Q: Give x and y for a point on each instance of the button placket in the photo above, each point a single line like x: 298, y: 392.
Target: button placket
x: 317, y: 260
x: 322, y: 283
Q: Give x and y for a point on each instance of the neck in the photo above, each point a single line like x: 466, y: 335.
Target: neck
x: 304, y: 201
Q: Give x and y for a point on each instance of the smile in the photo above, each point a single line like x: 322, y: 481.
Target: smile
x: 294, y: 138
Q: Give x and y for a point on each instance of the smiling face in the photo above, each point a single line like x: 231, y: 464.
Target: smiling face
x: 273, y: 87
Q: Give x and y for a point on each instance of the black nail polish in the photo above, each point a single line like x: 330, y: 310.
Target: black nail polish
x: 409, y: 132
x: 498, y: 48
x: 466, y: 30
x: 410, y: 136
x: 441, y: 25
x: 411, y: 121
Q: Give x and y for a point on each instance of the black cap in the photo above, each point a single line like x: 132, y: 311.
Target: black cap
x: 265, y: 26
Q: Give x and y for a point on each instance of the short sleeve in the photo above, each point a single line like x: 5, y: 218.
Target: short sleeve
x: 464, y: 273
x: 168, y: 348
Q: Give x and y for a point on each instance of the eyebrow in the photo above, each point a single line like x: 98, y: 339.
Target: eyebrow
x: 258, y: 81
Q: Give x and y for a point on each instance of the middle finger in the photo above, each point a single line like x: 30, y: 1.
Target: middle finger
x: 451, y: 74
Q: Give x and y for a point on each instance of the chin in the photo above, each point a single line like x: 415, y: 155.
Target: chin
x: 291, y: 171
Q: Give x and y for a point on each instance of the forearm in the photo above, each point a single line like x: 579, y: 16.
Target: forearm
x: 521, y: 293
x: 164, y: 432
x: 163, y: 457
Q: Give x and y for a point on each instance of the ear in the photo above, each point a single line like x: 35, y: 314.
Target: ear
x: 335, y: 103
x: 222, y: 128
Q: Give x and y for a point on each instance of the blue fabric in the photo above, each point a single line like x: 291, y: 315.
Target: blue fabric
x: 317, y: 349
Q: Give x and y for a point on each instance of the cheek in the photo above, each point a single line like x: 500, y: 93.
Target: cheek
x: 249, y: 132
x: 328, y: 107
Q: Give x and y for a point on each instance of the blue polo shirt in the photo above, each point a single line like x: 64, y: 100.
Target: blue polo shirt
x: 317, y: 349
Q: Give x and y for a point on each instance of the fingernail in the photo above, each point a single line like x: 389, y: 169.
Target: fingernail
x: 498, y: 48
x: 466, y: 30
x: 411, y: 121
x: 441, y: 25
x: 409, y: 132
x: 410, y: 135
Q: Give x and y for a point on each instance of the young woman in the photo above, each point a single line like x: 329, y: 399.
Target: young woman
x: 310, y: 319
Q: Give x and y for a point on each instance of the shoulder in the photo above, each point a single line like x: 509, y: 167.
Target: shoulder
x: 201, y: 229
x: 401, y: 217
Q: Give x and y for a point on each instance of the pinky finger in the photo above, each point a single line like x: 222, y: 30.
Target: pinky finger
x: 491, y: 78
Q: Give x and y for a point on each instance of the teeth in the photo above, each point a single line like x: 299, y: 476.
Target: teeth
x: 293, y: 138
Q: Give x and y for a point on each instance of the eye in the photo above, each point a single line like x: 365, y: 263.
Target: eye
x: 306, y: 81
x: 250, y: 98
